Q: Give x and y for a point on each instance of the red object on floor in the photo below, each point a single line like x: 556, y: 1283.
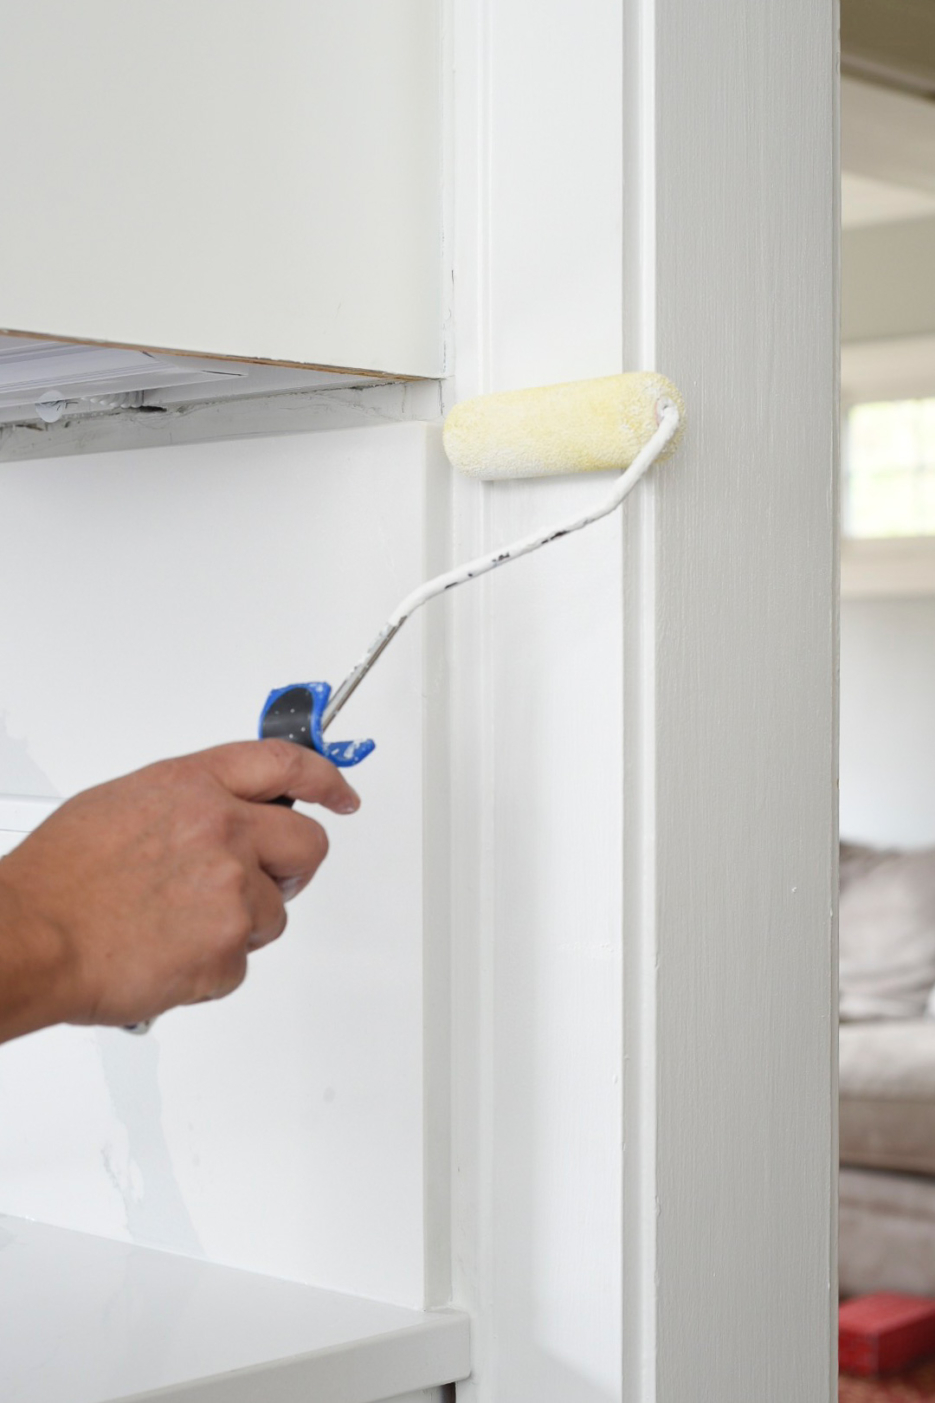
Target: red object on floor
x: 882, y: 1333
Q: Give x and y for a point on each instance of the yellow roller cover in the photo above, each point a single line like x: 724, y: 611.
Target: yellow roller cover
x: 586, y: 426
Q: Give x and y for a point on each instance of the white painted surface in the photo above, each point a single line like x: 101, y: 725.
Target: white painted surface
x: 148, y: 601
x: 536, y: 706
x: 888, y: 721
x: 735, y: 741
x: 83, y: 1320
x: 229, y: 178
x: 19, y: 815
x: 699, y: 239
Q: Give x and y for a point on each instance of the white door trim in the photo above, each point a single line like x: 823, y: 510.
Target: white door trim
x: 706, y: 137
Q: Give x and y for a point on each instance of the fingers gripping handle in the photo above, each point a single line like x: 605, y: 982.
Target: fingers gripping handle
x: 296, y: 714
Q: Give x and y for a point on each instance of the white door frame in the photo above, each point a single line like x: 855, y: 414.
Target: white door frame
x: 643, y: 722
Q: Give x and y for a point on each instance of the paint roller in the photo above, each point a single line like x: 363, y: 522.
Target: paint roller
x: 620, y: 421
x: 588, y: 426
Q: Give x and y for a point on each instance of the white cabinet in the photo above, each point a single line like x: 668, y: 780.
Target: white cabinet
x: 287, y: 1132
x: 236, y: 178
x: 282, y: 1130
x: 127, y: 1322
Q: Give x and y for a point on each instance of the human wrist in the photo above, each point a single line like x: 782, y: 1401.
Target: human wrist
x: 37, y: 967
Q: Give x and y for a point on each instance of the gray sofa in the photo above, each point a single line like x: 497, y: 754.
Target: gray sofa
x: 887, y: 1051
x: 887, y: 1206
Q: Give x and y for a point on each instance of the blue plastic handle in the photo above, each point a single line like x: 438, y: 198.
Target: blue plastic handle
x: 294, y: 713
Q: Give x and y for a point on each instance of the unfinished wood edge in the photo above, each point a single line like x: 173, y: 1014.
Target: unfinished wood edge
x: 216, y: 355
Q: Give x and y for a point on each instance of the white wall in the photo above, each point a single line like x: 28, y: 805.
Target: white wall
x: 148, y: 601
x: 888, y: 152
x: 886, y: 285
x: 888, y: 721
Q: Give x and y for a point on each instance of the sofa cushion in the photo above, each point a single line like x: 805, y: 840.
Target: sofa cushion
x: 887, y: 932
x: 887, y: 1082
x: 886, y: 1234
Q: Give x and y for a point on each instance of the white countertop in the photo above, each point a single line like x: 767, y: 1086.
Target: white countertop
x: 87, y: 1320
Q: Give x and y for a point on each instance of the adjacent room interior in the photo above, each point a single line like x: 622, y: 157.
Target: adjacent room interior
x: 887, y: 757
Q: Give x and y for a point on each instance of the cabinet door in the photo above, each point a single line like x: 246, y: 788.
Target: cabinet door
x: 236, y: 178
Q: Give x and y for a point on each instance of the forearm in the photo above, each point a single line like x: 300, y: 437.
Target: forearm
x: 34, y: 964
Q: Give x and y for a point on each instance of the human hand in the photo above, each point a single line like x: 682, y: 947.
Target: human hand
x: 150, y: 891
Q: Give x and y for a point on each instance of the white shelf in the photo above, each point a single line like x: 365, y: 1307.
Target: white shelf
x: 94, y: 380
x: 87, y: 1320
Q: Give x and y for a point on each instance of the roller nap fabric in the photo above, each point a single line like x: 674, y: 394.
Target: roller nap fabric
x: 582, y: 427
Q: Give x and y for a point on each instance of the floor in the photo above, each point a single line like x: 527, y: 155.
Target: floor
x: 915, y: 1384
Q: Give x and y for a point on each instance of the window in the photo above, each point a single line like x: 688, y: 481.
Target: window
x: 889, y: 457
